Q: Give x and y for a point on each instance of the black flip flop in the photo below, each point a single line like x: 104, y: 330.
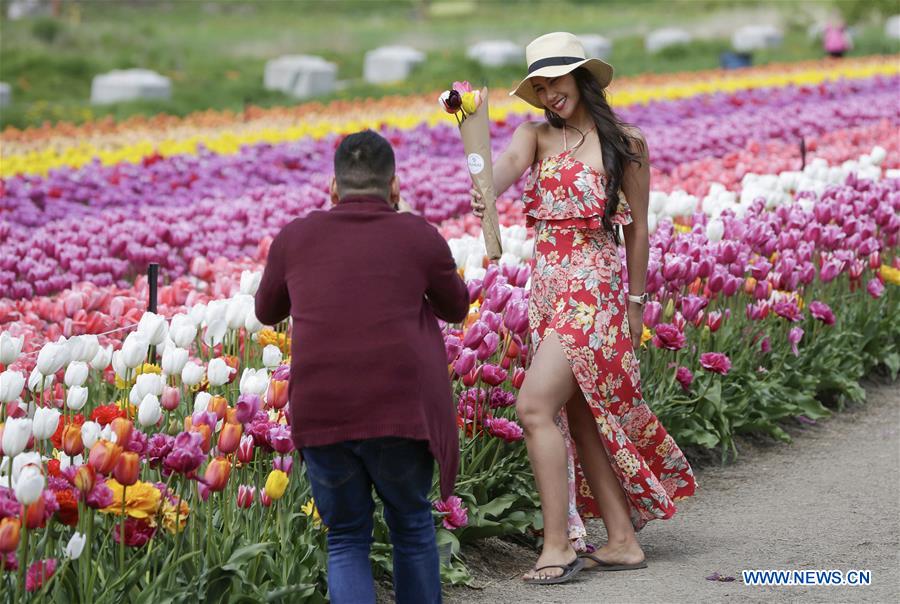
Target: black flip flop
x: 603, y: 565
x: 569, y: 570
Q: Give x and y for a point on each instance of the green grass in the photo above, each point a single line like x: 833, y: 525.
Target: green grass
x: 215, y: 52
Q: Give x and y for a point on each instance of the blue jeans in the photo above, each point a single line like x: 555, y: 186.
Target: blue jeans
x: 342, y: 476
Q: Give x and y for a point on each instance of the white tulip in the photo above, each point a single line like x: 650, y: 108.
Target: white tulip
x: 250, y: 282
x: 10, y: 348
x: 90, y: 347
x: 134, y: 395
x: 149, y: 411
x: 134, y: 350
x: 251, y: 323
x: 271, y: 356
x: 183, y: 330
x: 90, y: 434
x: 254, y: 381
x: 76, y: 398
x: 65, y: 461
x: 216, y: 309
x: 106, y: 433
x: 75, y: 546
x: 192, y: 374
x: 118, y: 365
x: 197, y: 313
x: 173, y: 360
x: 11, y: 385
x: 218, y: 372
x: 52, y: 358
x: 46, y: 420
x: 102, y: 359
x: 16, y: 433
x: 30, y: 485
x: 149, y: 383
x: 201, y: 402
x: 76, y: 373
x: 715, y: 229
x: 236, y: 311
x: 215, y: 332
x: 22, y: 461
x: 37, y: 381
x: 153, y: 327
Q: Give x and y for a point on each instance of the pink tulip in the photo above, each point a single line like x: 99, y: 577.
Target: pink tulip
x: 245, y: 496
x: 684, y: 377
x: 715, y: 362
x: 794, y: 337
x: 669, y: 337
x: 493, y: 375
x: 465, y: 363
x: 691, y: 306
x: 475, y: 334
x: 822, y: 312
x: 455, y: 515
x: 171, y: 397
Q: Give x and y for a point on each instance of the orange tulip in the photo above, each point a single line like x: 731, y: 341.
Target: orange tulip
x: 104, y: 455
x: 206, y: 432
x: 71, y: 440
x: 749, y: 285
x: 216, y: 475
x: 218, y: 405
x: 231, y: 416
x: 84, y: 478
x: 277, y: 396
x: 230, y: 438
x: 122, y: 428
x: 9, y: 535
x: 127, y: 468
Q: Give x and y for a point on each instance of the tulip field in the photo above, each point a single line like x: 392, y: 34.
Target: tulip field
x: 147, y: 456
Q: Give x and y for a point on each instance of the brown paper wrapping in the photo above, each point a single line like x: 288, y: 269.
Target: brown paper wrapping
x: 476, y: 137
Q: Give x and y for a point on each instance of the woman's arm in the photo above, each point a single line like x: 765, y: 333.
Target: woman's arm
x: 636, y: 187
x: 512, y: 163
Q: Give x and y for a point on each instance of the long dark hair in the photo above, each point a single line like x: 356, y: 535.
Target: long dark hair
x: 615, y: 142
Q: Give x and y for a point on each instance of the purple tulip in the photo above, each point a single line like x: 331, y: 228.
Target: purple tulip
x: 875, y: 287
x: 516, y: 317
x: 465, y: 362
x: 246, y: 407
x: 669, y: 337
x: 496, y: 297
x: 652, y: 312
x: 684, y: 377
x: 279, y: 437
x: 488, y: 346
x: 715, y: 362
x: 452, y: 346
x: 186, y: 454
x: 475, y: 334
x: 692, y: 305
x: 285, y: 463
x: 493, y: 375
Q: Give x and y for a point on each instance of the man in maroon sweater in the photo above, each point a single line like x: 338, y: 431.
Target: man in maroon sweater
x: 370, y: 398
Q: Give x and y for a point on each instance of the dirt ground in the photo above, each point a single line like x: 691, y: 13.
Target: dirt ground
x: 826, y: 501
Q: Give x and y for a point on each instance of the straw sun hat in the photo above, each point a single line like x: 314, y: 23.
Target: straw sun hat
x: 554, y: 55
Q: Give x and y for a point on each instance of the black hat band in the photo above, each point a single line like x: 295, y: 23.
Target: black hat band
x: 552, y: 62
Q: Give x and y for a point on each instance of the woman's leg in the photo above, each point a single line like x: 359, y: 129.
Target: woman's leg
x: 549, y: 383
x: 622, y: 546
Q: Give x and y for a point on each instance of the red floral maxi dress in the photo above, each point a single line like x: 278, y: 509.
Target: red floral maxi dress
x: 578, y: 291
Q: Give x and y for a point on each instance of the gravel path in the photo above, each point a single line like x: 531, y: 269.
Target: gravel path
x: 827, y: 501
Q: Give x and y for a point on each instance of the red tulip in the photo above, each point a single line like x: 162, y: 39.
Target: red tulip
x: 9, y: 534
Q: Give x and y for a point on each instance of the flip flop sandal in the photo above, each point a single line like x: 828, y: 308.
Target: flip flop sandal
x: 603, y: 565
x: 569, y: 571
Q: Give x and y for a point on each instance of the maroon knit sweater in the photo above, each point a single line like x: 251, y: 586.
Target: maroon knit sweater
x: 363, y: 285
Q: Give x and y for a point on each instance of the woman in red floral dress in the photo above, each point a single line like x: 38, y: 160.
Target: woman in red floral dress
x: 595, y: 446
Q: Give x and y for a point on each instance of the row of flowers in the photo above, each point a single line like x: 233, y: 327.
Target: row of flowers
x: 185, y: 204
x: 39, y: 150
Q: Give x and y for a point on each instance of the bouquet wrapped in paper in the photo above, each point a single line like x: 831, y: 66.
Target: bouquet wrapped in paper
x: 470, y: 107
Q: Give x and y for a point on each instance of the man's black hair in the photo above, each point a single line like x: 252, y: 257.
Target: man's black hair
x: 364, y: 163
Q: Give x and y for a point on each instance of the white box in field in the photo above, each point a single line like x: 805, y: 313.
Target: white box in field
x: 129, y: 85
x: 300, y: 76
x: 892, y: 27
x: 496, y: 53
x: 664, y: 38
x: 598, y: 47
x: 756, y: 37
x: 5, y: 94
x: 391, y: 64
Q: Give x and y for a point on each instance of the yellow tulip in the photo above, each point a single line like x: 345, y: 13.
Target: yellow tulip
x: 276, y: 484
